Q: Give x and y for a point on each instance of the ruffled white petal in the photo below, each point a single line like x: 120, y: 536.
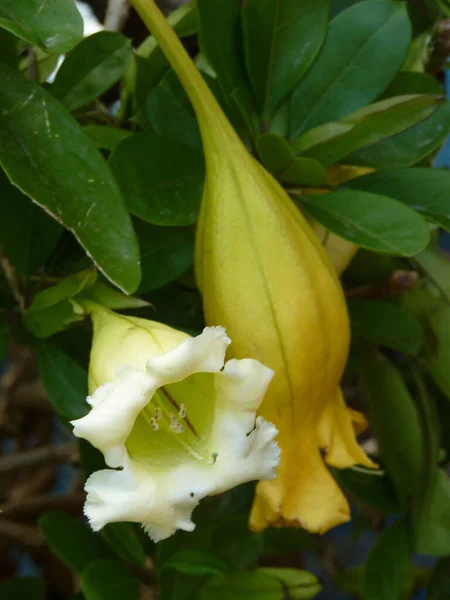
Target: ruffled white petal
x: 202, y: 354
x: 115, y: 407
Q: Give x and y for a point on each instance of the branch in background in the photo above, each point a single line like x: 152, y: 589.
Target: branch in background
x: 32, y: 507
x: 13, y: 280
x: 46, y: 455
x: 399, y: 282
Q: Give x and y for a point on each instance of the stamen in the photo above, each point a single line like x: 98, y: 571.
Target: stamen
x: 183, y: 411
x: 158, y: 413
x: 154, y: 424
x: 176, y: 427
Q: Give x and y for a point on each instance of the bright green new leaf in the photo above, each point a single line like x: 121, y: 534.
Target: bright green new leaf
x: 64, y: 380
x: 369, y: 220
x: 281, y: 40
x: 386, y: 567
x: 160, y: 178
x: 343, y: 79
x: 54, y: 25
x: 385, y: 119
x: 279, y: 159
x: 46, y: 154
x: 425, y: 190
x: 109, y: 580
x: 385, y: 324
x: 91, y: 68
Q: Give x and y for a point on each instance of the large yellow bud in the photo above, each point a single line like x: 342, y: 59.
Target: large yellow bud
x: 265, y: 276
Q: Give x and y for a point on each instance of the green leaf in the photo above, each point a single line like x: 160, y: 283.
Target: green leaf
x: 278, y: 157
x: 407, y: 82
x: 436, y: 268
x: 395, y: 423
x: 196, y: 562
x: 23, y: 588
x: 385, y: 324
x: 91, y: 68
x: 237, y: 545
x: 170, y: 115
x: 369, y: 220
x: 281, y: 40
x: 104, y: 295
x: 55, y: 308
x: 439, y: 585
x: 386, y: 567
x: 339, y: 83
x: 46, y: 154
x: 9, y: 49
x: 371, y: 486
x: 221, y: 43
x: 385, y: 119
x: 433, y: 536
x: 425, y: 190
x: 21, y: 219
x: 106, y: 137
x: 257, y: 585
x: 294, y: 581
x: 161, y: 179
x: 64, y: 380
x: 109, y: 580
x: 72, y: 541
x: 166, y: 253
x: 56, y: 26
x: 124, y: 539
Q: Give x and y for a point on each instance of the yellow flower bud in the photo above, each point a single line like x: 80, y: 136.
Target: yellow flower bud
x: 264, y: 274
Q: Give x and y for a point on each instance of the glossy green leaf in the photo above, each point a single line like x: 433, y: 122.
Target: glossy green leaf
x: 386, y: 567
x: 104, y: 295
x: 425, y: 190
x: 281, y: 40
x: 372, y: 486
x: 340, y: 82
x: 257, y: 585
x: 55, y: 26
x: 109, y: 580
x: 385, y: 324
x: 407, y: 82
x: 106, y: 137
x: 166, y: 254
x: 160, y: 178
x: 23, y: 588
x: 279, y: 159
x: 196, y: 562
x: 170, y: 115
x: 64, y: 380
x: 21, y: 219
x: 91, y: 68
x: 73, y: 541
x: 369, y: 220
x: 395, y: 423
x: 385, y: 119
x: 45, y: 153
x: 124, y: 539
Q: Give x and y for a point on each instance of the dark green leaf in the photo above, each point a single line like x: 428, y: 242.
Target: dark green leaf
x: 109, y: 580
x: 45, y: 153
x: 439, y: 585
x: 425, y: 190
x: 237, y: 545
x: 412, y: 83
x: 433, y: 535
x: 124, y: 538
x: 385, y: 119
x: 106, y: 137
x: 341, y: 82
x: 72, y: 541
x: 161, y: 179
x: 22, y: 220
x: 295, y: 582
x: 55, y: 26
x: 257, y: 585
x: 386, y: 569
x: 371, y: 486
x: 281, y: 40
x: 437, y: 267
x: 64, y: 380
x: 23, y: 588
x: 385, y: 324
x: 91, y: 68
x: 196, y: 562
x: 395, y: 423
x: 9, y: 49
x: 369, y: 220
x: 279, y: 159
x: 166, y: 253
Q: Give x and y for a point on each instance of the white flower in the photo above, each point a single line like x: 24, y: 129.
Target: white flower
x: 181, y: 428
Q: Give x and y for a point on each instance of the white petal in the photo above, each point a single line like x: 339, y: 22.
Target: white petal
x: 115, y: 407
x: 202, y: 354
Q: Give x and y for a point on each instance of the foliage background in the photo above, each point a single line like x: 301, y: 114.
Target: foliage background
x: 131, y: 147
